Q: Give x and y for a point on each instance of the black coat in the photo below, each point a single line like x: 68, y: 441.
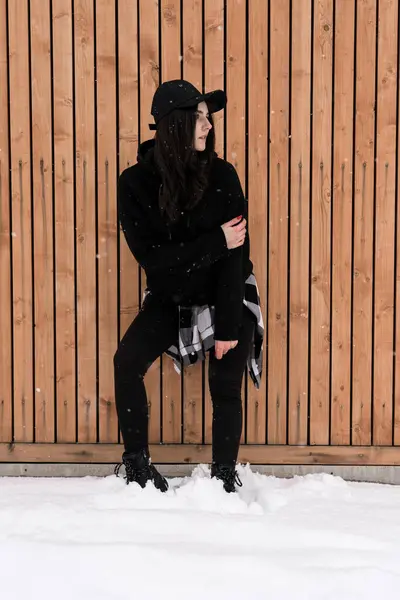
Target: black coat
x: 188, y: 262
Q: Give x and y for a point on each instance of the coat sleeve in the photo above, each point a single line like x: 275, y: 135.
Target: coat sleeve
x: 145, y: 245
x: 229, y: 270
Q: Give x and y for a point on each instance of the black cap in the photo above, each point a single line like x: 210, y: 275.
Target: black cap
x: 179, y: 93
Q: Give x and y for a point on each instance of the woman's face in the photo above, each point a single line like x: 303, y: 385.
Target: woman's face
x: 202, y: 127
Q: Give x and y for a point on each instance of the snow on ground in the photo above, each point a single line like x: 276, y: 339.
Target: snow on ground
x: 307, y: 538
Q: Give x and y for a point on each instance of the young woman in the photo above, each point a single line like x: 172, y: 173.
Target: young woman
x: 183, y: 214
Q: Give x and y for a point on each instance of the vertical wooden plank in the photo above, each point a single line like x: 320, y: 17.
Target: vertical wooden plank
x: 299, y: 219
x: 396, y: 432
x: 213, y: 52
x: 43, y: 220
x: 171, y: 69
x: 170, y: 39
x: 235, y: 113
x: 192, y: 71
x: 258, y: 192
x: 363, y: 221
x: 384, y: 223
x: 5, y: 243
x: 192, y: 404
x: 128, y: 141
x: 128, y: 98
x: 192, y: 42
x: 342, y: 232
x: 85, y: 169
x: 64, y: 221
x: 149, y: 62
x: 148, y: 82
x: 208, y: 408
x: 278, y: 224
x: 321, y: 222
x: 21, y: 219
x: 107, y: 215
x: 214, y: 60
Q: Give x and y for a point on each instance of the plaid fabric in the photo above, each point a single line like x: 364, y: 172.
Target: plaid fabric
x: 196, y: 333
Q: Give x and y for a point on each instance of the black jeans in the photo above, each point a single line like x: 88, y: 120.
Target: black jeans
x: 151, y: 333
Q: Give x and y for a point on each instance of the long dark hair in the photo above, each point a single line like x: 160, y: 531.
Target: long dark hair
x: 184, y: 171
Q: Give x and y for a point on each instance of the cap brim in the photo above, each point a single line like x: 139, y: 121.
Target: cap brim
x: 215, y: 100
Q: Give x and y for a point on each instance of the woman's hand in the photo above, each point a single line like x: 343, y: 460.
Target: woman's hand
x: 234, y: 233
x: 222, y: 348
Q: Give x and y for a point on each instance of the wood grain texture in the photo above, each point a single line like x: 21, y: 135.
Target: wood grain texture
x: 171, y: 69
x: 214, y: 61
x: 128, y: 127
x: 128, y: 97
x: 20, y: 168
x: 258, y: 195
x: 107, y: 220
x: 5, y: 243
x: 299, y: 222
x: 213, y: 52
x: 192, y: 42
x: 278, y: 224
x: 342, y: 226
x: 321, y: 223
x: 85, y: 198
x: 43, y: 272
x: 235, y: 112
x: 64, y: 221
x: 396, y: 391
x: 193, y: 382
x: 149, y: 80
x: 363, y: 222
x: 194, y: 454
x: 386, y: 135
x: 309, y: 94
x: 170, y: 24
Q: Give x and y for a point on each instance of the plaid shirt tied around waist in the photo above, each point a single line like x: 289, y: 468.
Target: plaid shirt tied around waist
x: 196, y: 333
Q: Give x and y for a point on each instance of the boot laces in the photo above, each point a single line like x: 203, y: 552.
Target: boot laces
x: 132, y: 472
x: 230, y: 476
x: 142, y: 473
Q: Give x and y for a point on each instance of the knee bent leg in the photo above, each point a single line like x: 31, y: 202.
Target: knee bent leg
x: 125, y: 358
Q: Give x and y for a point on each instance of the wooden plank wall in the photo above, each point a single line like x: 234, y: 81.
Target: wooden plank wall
x: 312, y: 126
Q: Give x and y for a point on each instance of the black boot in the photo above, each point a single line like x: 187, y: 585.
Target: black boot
x: 228, y: 475
x: 138, y: 468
